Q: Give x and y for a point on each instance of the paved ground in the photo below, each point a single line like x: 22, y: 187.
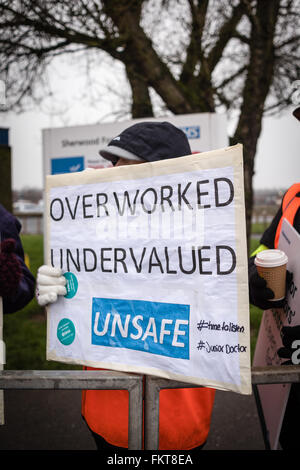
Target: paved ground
x: 51, y: 420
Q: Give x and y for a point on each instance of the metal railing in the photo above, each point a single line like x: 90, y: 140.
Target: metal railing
x: 260, y: 376
x: 108, y: 380
x: 85, y: 380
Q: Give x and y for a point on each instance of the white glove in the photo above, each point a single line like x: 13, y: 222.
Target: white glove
x: 49, y: 284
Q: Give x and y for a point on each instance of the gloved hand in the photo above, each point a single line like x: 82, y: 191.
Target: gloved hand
x: 10, y: 269
x: 49, y: 284
x: 289, y: 334
x: 259, y: 293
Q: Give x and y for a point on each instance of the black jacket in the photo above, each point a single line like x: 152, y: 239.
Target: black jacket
x: 10, y: 227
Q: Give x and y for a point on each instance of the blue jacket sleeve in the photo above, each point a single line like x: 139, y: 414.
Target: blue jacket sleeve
x: 10, y: 227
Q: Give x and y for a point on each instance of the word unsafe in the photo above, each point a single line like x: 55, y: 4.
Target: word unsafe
x: 154, y: 327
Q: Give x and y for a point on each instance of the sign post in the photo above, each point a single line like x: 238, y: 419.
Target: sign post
x: 155, y: 259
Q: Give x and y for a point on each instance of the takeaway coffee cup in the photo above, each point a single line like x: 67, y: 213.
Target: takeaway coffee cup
x: 271, y: 265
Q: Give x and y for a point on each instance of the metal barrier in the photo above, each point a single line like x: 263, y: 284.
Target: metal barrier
x: 108, y: 380
x: 153, y: 387
x: 85, y: 380
x: 260, y: 376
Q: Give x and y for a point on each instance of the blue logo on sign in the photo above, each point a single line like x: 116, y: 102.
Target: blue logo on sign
x: 153, y: 327
x: 66, y: 165
x: 192, y: 132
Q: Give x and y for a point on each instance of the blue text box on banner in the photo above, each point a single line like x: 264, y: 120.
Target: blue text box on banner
x: 154, y: 327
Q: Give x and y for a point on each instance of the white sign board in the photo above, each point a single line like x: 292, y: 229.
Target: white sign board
x: 72, y: 149
x: 156, y: 261
x: 274, y: 398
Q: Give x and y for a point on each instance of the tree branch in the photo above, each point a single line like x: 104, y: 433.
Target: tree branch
x: 43, y: 26
x: 225, y: 34
x: 194, y: 51
x: 148, y: 63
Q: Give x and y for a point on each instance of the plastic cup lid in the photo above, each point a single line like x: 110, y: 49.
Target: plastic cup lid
x: 271, y: 258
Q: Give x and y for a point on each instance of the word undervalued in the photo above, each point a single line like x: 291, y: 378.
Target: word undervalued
x: 205, y: 260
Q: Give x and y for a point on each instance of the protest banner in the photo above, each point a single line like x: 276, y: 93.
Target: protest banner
x: 273, y: 398
x: 155, y: 257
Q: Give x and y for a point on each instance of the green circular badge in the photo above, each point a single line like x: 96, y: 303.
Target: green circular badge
x: 66, y: 331
x: 71, y: 286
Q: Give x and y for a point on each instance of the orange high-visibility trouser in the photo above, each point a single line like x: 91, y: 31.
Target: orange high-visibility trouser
x: 184, y: 416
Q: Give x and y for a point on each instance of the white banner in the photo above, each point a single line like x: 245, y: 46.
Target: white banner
x: 274, y: 397
x: 156, y: 261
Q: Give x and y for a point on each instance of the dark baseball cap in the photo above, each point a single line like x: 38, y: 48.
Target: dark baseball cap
x: 148, y: 141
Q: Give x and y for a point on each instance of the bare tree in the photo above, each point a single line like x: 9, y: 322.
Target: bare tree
x: 236, y: 56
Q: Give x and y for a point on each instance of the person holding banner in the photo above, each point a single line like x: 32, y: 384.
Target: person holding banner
x: 17, y: 283
x: 185, y: 414
x: 260, y: 296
